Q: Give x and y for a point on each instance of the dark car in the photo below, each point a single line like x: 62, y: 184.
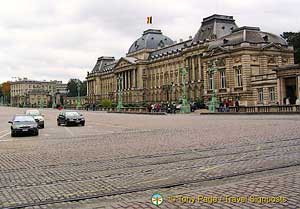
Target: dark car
x: 23, y: 124
x: 70, y: 118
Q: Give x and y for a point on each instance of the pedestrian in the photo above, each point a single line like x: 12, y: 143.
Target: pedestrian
x: 227, y: 106
x: 287, y: 101
x: 152, y: 108
x: 298, y: 101
x: 221, y: 107
x: 157, y: 107
x: 149, y: 107
x: 237, y: 105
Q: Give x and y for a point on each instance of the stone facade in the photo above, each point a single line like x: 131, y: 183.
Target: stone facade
x: 31, y: 93
x: 244, y: 59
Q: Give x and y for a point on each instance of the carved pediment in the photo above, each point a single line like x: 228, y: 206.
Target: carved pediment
x: 218, y: 50
x: 272, y: 46
x: 125, y: 61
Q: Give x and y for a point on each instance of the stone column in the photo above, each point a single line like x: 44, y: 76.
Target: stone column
x: 133, y: 78
x: 199, y: 69
x: 128, y: 79
x: 131, y: 84
x: 279, y: 100
x: 123, y: 81
x: 178, y: 74
x: 193, y: 69
x: 298, y: 86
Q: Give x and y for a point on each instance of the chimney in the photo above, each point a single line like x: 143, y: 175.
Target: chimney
x: 190, y: 37
x: 180, y: 40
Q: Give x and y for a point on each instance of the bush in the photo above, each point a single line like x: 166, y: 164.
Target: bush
x: 106, y: 103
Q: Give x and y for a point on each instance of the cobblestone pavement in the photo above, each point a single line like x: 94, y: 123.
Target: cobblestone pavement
x: 119, y: 161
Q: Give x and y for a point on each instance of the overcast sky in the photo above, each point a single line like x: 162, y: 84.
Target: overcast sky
x: 62, y: 39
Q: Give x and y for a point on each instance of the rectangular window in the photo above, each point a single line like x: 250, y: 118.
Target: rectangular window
x: 272, y: 94
x: 260, y: 95
x: 211, y: 82
x: 223, y: 79
x: 239, y: 79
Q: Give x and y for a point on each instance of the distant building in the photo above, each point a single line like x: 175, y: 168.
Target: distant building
x: 244, y: 59
x: 31, y: 93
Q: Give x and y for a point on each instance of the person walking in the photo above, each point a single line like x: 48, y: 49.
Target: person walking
x: 226, y: 105
x: 237, y: 105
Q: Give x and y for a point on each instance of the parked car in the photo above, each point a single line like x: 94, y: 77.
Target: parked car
x: 70, y: 118
x: 23, y: 124
x: 38, y: 117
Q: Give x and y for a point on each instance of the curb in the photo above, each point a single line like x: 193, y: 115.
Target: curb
x: 251, y: 113
x: 139, y: 113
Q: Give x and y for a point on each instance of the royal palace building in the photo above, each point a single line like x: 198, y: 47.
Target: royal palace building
x: 241, y: 63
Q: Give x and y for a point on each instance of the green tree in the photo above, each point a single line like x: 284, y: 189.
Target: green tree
x: 83, y: 88
x: 72, y: 87
x: 293, y: 39
x: 1, y: 93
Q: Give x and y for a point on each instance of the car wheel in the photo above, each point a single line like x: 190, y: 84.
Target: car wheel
x: 58, y: 123
x: 42, y: 126
x: 13, y: 134
x: 82, y: 124
x: 36, y: 133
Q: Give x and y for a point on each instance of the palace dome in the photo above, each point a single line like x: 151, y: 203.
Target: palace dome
x: 151, y: 39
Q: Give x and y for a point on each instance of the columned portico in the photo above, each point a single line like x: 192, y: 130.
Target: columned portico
x: 288, y: 84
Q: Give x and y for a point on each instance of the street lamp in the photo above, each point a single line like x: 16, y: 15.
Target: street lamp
x: 120, y: 94
x: 185, y: 106
x: 42, y: 101
x: 78, y: 105
x: 213, y: 102
x: 53, y: 99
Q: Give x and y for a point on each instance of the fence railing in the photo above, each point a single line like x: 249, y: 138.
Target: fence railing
x: 265, y: 108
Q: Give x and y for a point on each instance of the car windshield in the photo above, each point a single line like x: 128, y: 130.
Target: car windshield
x: 32, y: 112
x: 24, y: 118
x: 72, y: 114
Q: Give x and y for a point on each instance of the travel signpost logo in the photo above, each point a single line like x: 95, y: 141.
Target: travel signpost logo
x: 157, y: 199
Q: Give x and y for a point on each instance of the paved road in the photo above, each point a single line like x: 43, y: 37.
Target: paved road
x: 119, y: 161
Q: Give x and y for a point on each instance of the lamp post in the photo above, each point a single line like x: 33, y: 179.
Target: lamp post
x: 213, y: 102
x: 78, y: 105
x: 42, y: 102
x: 120, y: 94
x: 185, y: 107
x: 53, y: 100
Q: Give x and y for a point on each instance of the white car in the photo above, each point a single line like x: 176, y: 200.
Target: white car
x: 38, y: 117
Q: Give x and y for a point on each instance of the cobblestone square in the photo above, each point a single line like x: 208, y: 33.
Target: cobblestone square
x: 121, y: 160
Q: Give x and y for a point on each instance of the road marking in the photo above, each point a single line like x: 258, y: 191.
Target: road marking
x: 3, y: 131
x: 111, y: 125
x: 154, y: 180
x: 69, y: 131
x: 210, y: 168
x: 4, y: 135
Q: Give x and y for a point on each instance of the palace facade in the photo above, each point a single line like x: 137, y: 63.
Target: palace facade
x: 245, y: 60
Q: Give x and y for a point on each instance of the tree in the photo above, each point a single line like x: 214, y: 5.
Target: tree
x: 5, y: 91
x: 6, y: 88
x: 83, y: 88
x: 72, y: 87
x: 293, y: 39
x: 1, y: 93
